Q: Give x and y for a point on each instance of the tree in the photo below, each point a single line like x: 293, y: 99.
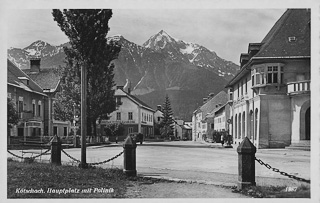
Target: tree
x: 87, y: 31
x: 12, y: 116
x: 167, y: 122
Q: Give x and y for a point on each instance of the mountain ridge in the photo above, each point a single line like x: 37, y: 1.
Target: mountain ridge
x: 162, y: 65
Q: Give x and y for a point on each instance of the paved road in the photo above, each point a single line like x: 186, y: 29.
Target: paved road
x: 192, y: 161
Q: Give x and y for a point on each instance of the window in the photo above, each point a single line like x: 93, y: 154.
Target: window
x: 272, y: 74
x: 241, y: 88
x: 239, y: 125
x: 246, y: 86
x: 39, y: 110
x: 243, y: 124
x: 20, y: 104
x: 255, y: 124
x: 267, y: 74
x: 238, y: 90
x: 119, y: 116
x: 235, y: 127
x: 130, y: 130
x: 130, y: 116
x: 34, y: 109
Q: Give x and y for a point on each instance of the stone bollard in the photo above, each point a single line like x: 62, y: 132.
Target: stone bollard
x: 129, y: 157
x: 246, y: 164
x: 56, y: 151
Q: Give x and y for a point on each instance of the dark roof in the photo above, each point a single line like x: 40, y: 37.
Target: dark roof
x: 220, y: 98
x: 293, y: 23
x: 46, y: 78
x: 276, y: 44
x: 13, y: 75
x: 139, y: 101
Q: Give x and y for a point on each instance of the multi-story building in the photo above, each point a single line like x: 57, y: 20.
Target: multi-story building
x: 270, y: 95
x: 182, y: 130
x: 201, y: 124
x: 49, y: 81
x: 29, y: 100
x: 134, y: 114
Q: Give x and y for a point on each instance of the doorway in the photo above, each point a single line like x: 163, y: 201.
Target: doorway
x: 308, y: 124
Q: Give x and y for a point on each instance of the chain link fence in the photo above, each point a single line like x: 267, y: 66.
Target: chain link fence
x: 281, y: 172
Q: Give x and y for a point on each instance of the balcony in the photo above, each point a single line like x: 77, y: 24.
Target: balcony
x: 299, y: 87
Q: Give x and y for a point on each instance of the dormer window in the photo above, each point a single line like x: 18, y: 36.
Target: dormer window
x: 25, y: 80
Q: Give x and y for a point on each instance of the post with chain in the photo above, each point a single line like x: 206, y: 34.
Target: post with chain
x: 246, y: 164
x: 56, y: 150
x: 129, y: 157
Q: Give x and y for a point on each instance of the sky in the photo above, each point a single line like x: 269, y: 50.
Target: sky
x: 225, y: 31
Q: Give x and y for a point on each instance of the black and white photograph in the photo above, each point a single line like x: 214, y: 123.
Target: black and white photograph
x: 160, y: 100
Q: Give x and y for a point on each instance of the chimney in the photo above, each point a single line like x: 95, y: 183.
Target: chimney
x: 211, y: 95
x: 129, y: 88
x: 159, y: 107
x: 205, y: 100
x: 120, y: 87
x: 35, y: 65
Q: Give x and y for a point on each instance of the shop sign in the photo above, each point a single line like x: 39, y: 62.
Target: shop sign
x: 31, y: 124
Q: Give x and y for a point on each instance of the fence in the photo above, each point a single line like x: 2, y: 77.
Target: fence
x: 56, y: 149
x: 246, y: 165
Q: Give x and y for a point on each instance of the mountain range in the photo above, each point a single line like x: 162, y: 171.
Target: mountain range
x: 185, y: 71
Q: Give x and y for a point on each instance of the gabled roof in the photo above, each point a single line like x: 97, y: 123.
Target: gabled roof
x: 294, y: 24
x: 15, y: 77
x: 210, y: 105
x: 47, y: 79
x: 134, y: 99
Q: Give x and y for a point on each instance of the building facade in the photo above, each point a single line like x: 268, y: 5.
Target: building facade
x: 270, y: 95
x: 202, y: 120
x: 135, y: 115
x: 49, y: 81
x: 29, y: 100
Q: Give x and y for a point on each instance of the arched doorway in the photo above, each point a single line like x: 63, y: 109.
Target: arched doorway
x: 307, y: 124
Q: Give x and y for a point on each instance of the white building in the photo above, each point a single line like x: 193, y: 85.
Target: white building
x: 136, y: 116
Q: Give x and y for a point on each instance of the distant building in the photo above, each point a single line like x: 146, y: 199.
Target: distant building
x: 136, y: 116
x: 182, y: 130
x: 49, y: 81
x: 29, y: 99
x: 270, y: 95
x: 158, y: 115
x: 200, y: 124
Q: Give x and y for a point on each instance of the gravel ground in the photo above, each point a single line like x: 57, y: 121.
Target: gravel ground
x: 179, y: 190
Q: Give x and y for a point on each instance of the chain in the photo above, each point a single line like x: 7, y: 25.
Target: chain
x: 21, y: 157
x: 91, y: 164
x: 44, y: 153
x: 74, y: 159
x: 103, y: 162
x: 281, y: 172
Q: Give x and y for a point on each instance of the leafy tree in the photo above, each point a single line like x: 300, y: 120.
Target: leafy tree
x: 167, y: 122
x: 87, y: 31
x: 114, y: 129
x: 12, y: 116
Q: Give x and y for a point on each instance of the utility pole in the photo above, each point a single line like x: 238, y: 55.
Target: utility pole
x: 83, y: 163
